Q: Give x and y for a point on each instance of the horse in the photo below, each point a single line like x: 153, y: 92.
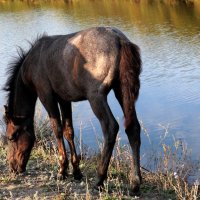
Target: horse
x: 62, y: 69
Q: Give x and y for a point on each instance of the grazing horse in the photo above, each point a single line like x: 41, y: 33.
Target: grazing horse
x: 62, y: 69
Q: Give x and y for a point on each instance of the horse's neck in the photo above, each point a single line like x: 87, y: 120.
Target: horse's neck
x: 24, y: 100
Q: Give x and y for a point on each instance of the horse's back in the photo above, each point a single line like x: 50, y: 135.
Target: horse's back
x: 95, y: 57
x: 80, y: 64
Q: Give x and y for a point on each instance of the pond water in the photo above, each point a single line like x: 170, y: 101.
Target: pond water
x: 169, y: 38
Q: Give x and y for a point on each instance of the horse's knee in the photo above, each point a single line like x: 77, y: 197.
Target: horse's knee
x: 57, y: 128
x: 68, y: 133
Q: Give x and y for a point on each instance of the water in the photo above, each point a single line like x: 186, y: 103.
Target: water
x: 169, y: 38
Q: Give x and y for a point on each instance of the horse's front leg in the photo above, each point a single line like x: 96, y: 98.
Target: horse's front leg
x: 68, y: 133
x: 51, y: 106
x: 110, y: 129
x: 57, y: 129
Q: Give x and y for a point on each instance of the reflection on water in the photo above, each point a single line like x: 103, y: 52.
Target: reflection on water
x: 169, y: 38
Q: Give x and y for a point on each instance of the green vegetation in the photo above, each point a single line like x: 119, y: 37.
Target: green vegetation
x: 168, y: 181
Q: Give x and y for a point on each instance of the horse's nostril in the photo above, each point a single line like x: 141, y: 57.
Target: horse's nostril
x: 12, y: 139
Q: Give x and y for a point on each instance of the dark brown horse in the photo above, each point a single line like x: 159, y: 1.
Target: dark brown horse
x: 60, y: 69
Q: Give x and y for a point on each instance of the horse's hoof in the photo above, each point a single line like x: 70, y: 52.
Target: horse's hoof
x: 135, y: 191
x: 22, y: 173
x: 135, y: 187
x: 99, y: 188
x: 78, y: 175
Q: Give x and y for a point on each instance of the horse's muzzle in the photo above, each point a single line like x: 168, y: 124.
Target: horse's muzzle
x: 15, y: 168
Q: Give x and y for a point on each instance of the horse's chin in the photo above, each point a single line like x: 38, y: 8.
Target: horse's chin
x: 16, y: 168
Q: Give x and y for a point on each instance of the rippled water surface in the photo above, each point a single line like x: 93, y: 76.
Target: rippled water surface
x: 169, y: 38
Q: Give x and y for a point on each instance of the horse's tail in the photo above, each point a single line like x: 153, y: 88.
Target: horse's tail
x: 130, y: 67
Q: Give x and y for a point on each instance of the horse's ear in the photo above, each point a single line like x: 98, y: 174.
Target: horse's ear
x: 6, y: 109
x: 5, y: 116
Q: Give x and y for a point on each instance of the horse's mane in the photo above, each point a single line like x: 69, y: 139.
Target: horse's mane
x: 13, y: 71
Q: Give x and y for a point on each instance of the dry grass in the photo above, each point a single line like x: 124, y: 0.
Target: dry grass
x: 167, y: 181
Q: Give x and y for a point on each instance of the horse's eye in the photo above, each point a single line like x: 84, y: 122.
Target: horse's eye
x: 14, y: 136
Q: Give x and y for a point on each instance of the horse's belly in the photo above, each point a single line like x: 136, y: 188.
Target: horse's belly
x: 70, y: 93
x: 72, y: 97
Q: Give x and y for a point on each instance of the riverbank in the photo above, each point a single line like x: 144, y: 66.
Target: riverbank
x: 60, y: 2
x: 40, y: 181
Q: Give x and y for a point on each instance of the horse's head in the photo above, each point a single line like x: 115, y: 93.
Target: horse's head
x: 20, y: 135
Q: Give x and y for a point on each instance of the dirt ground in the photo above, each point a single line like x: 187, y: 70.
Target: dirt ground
x: 42, y: 184
x: 40, y: 180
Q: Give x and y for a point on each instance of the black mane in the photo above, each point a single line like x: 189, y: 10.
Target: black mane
x: 13, y: 71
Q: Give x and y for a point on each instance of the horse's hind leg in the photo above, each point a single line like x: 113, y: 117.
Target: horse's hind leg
x: 68, y: 132
x: 51, y: 106
x: 110, y: 129
x: 133, y: 133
